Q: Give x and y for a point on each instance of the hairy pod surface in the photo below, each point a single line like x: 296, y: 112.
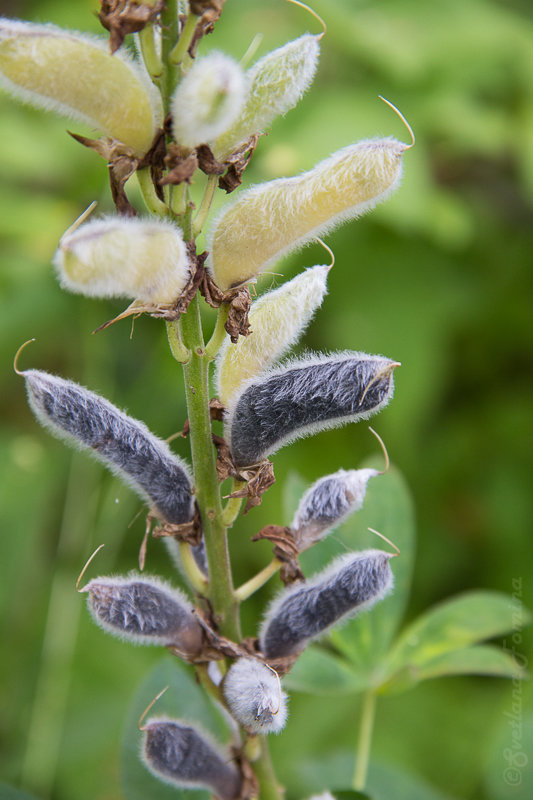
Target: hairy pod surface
x: 76, y: 76
x: 123, y: 444
x: 274, y: 85
x: 299, y: 614
x: 254, y: 696
x: 178, y: 754
x: 144, y: 611
x: 274, y: 218
x: 124, y: 257
x: 207, y: 100
x: 303, y: 398
x: 327, y: 503
x: 277, y: 321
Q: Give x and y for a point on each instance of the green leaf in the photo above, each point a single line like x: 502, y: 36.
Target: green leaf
x: 319, y: 672
x: 350, y: 794
x: 183, y: 699
x: 388, y: 509
x: 475, y: 660
x: 9, y: 793
x: 453, y: 625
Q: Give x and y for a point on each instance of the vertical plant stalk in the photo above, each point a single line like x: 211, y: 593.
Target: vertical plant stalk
x: 206, y: 484
x: 264, y: 771
x: 364, y: 741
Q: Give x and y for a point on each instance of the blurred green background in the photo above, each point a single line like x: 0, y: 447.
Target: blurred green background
x: 438, y: 278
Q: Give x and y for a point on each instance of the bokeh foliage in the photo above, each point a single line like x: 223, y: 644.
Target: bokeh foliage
x: 439, y: 278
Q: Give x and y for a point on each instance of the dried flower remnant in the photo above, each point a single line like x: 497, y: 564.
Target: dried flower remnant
x: 327, y: 503
x: 143, y: 260
x: 352, y: 583
x: 144, y: 611
x: 303, y: 398
x: 76, y: 76
x: 277, y: 320
x: 207, y: 100
x: 253, y: 693
x: 274, y: 85
x: 123, y: 444
x: 178, y: 754
x: 274, y: 218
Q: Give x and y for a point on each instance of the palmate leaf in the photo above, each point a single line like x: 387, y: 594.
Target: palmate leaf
x: 453, y: 625
x: 184, y: 699
x: 475, y: 660
x: 319, y: 672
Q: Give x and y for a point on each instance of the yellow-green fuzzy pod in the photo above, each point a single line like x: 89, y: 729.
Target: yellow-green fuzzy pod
x: 274, y: 218
x: 277, y: 320
x: 124, y: 257
x: 76, y: 76
x: 207, y: 100
x: 275, y: 83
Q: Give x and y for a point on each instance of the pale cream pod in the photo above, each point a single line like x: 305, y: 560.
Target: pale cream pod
x: 277, y: 320
x: 274, y: 85
x: 76, y: 76
x: 274, y: 218
x: 124, y: 257
x: 207, y: 100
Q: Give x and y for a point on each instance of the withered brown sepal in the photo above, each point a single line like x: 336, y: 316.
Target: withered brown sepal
x: 121, y: 17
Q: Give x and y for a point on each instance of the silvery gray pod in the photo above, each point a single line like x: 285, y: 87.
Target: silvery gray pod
x: 144, y: 611
x: 178, y: 754
x: 327, y: 503
x: 124, y: 444
x: 305, y: 397
x: 353, y: 582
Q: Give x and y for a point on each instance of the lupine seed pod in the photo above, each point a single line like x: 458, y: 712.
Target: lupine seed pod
x: 277, y: 320
x: 327, y: 503
x: 207, y: 100
x: 178, y: 754
x: 123, y: 444
x: 274, y: 218
x: 254, y: 696
x: 305, y: 397
x: 274, y: 85
x: 124, y: 257
x: 352, y: 583
x: 144, y: 611
x: 76, y: 76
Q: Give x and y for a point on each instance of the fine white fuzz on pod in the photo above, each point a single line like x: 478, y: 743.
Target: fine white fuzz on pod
x: 253, y: 693
x: 124, y: 257
x: 277, y: 320
x: 274, y: 85
x: 76, y: 76
x: 123, y: 444
x: 327, y: 503
x: 305, y: 397
x: 207, y: 100
x: 180, y: 755
x: 272, y: 219
x: 352, y: 583
x: 144, y: 611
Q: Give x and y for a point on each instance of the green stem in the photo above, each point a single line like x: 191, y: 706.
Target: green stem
x: 219, y: 334
x: 255, y: 583
x: 170, y: 32
x: 179, y: 351
x: 194, y: 573
x: 264, y: 771
x: 152, y: 201
x: 364, y: 741
x: 179, y: 52
x: 220, y: 591
x: 151, y: 59
x: 205, y: 205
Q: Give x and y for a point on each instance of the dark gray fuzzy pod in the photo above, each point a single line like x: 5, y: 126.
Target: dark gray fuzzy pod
x: 144, y: 611
x: 350, y: 584
x: 178, y: 754
x: 305, y: 397
x: 124, y: 444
